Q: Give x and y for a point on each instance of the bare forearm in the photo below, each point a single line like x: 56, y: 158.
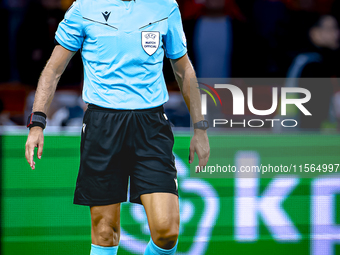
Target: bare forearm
x: 187, y: 82
x: 50, y: 77
x: 46, y: 88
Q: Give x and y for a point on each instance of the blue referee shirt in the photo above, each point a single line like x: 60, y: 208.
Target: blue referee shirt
x: 122, y: 45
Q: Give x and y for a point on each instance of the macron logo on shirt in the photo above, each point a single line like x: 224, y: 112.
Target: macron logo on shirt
x: 106, y: 15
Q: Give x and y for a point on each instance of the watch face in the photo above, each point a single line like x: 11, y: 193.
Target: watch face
x: 203, y: 124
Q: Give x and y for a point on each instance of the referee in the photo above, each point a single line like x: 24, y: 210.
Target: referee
x: 126, y: 138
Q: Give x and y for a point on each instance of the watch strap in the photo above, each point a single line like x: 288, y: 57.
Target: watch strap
x: 203, y: 124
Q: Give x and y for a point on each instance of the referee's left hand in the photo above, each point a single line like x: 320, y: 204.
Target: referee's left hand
x: 200, y: 144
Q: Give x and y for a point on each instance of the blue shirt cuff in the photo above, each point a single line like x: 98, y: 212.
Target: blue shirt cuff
x: 177, y: 55
x: 68, y: 47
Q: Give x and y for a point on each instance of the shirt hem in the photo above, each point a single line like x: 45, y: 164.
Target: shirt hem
x: 130, y: 108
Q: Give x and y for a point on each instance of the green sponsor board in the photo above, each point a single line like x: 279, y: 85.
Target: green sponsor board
x: 286, y: 214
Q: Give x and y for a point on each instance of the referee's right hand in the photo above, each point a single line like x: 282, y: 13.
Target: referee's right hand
x: 35, y: 139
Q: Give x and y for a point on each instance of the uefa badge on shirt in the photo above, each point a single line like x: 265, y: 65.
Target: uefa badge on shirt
x: 150, y: 42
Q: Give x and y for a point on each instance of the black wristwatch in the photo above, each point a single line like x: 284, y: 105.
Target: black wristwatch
x: 203, y: 124
x: 36, y: 119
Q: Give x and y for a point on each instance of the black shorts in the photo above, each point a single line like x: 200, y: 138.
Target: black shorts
x: 120, y: 144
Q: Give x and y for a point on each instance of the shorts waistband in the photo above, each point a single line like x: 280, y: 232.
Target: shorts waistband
x: 148, y: 110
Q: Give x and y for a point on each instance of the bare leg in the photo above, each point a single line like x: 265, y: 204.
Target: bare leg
x: 162, y: 211
x: 105, y: 229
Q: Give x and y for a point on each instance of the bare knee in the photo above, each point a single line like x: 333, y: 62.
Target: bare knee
x: 105, y: 229
x: 166, y: 235
x: 162, y: 210
x: 105, y: 234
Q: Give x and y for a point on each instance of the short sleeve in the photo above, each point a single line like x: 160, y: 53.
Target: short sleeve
x: 70, y: 30
x: 175, y: 41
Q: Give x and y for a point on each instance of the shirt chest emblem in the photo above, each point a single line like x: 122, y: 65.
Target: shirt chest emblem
x: 150, y: 42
